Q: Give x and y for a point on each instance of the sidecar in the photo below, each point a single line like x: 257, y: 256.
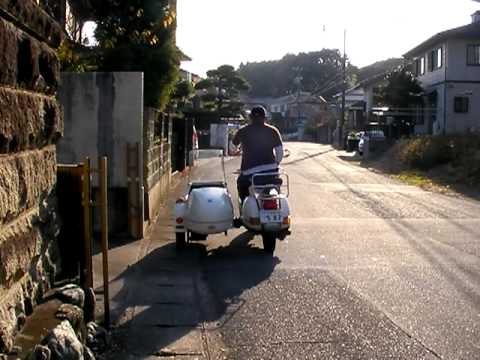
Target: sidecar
x: 207, y: 206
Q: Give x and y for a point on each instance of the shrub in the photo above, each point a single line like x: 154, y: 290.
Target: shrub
x: 425, y: 152
x: 428, y: 152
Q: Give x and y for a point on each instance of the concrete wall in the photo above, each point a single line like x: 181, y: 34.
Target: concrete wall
x: 30, y: 125
x: 103, y: 114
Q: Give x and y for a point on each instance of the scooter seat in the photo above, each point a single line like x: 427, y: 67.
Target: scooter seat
x: 269, y: 192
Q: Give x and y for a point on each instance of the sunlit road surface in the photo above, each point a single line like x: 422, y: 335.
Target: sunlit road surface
x: 374, y: 269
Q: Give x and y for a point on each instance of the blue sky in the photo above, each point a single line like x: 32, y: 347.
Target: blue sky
x: 216, y: 32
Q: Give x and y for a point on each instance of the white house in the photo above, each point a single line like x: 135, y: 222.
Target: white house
x: 361, y: 100
x: 448, y: 68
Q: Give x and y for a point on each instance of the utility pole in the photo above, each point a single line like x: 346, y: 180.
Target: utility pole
x: 344, y: 85
x: 298, y: 82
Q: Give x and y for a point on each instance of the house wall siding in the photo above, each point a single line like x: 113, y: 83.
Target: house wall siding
x: 457, y: 69
x: 435, y: 76
x: 31, y: 123
x: 458, y: 123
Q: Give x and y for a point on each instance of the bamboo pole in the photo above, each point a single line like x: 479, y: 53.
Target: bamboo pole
x: 87, y: 229
x: 102, y: 164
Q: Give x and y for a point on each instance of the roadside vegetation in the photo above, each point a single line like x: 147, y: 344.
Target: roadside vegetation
x: 451, y: 162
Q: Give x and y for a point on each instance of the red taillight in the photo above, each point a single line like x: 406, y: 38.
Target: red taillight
x: 179, y: 221
x: 270, y: 204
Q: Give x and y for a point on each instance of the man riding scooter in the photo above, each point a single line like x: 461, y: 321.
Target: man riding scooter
x: 262, y: 149
x: 264, y: 209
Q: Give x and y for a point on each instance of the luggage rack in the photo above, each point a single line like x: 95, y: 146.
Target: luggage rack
x: 273, y: 185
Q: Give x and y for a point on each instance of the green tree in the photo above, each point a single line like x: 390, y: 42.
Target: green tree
x: 184, y: 90
x: 139, y: 35
x: 402, y: 89
x: 223, y: 86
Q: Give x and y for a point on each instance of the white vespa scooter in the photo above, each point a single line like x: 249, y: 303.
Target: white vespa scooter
x: 266, y: 210
x: 207, y: 206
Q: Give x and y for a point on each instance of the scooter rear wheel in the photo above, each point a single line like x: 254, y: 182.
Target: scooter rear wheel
x: 269, y: 242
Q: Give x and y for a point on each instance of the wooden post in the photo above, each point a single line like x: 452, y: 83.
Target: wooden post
x: 103, y: 171
x: 135, y: 193
x: 87, y: 230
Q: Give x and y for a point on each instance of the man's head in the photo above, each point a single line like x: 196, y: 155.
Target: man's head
x: 258, y: 115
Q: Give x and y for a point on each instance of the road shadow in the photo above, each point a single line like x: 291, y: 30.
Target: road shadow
x: 307, y: 157
x: 168, y: 294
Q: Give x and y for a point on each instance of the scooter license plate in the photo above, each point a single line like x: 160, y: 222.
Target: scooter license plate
x: 270, y: 217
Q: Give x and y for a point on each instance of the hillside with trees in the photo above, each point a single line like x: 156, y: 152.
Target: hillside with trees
x: 319, y: 72
x: 380, y: 67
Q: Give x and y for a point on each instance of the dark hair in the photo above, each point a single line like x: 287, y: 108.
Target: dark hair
x: 258, y: 112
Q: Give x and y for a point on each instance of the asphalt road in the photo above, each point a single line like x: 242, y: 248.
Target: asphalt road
x: 374, y: 269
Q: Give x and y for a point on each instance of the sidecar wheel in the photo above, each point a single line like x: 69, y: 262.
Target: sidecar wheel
x: 269, y: 242
x: 180, y: 241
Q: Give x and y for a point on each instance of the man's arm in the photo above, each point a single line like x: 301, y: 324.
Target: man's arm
x: 278, y: 154
x: 278, y: 146
x: 237, y: 139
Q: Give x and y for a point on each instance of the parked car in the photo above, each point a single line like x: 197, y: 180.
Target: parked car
x: 371, y: 136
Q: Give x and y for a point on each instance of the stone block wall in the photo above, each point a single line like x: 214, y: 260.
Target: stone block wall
x: 30, y: 125
x: 157, y: 155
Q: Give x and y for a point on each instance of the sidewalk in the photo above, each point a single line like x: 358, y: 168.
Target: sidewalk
x: 156, y: 296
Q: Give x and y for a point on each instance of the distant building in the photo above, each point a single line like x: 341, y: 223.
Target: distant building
x: 300, y: 114
x: 190, y: 77
x: 448, y: 67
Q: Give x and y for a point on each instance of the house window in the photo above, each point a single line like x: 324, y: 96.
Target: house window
x: 461, y: 104
x: 420, y: 66
x: 439, y: 55
x: 473, y: 55
x: 435, y: 59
